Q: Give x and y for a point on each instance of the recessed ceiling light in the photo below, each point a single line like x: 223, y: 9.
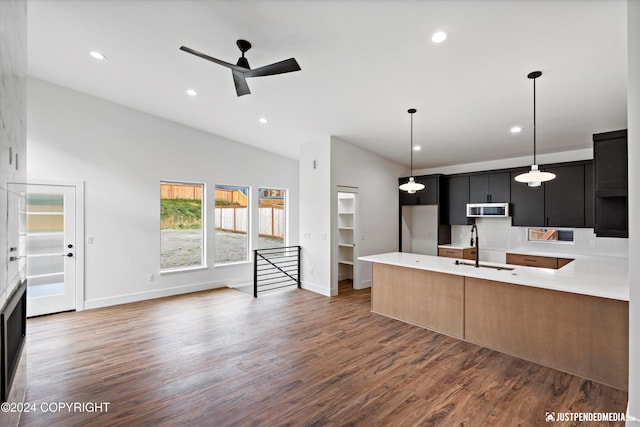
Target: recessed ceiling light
x: 515, y: 129
x: 191, y: 92
x: 417, y: 148
x: 262, y: 120
x: 439, y: 37
x: 97, y: 55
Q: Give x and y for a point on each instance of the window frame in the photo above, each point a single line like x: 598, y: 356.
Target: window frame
x: 285, y: 242
x: 203, y: 218
x: 248, y: 258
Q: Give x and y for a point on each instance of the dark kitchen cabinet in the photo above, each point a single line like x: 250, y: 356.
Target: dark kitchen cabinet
x: 564, y: 201
x: 610, y: 176
x: 588, y: 195
x: 427, y: 196
x: 610, y: 161
x: 490, y: 188
x: 527, y: 203
x: 458, y: 197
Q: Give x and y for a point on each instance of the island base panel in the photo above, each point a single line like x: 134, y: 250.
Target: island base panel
x: 425, y: 298
x: 583, y: 335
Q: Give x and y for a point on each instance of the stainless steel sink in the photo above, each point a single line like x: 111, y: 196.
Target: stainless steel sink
x: 495, y: 267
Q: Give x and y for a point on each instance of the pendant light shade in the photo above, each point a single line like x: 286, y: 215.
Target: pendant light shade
x: 535, y: 177
x: 411, y: 186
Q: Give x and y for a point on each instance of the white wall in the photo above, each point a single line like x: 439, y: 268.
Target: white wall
x: 122, y: 155
x: 315, y: 215
x: 633, y: 121
x: 13, y: 128
x: 376, y: 179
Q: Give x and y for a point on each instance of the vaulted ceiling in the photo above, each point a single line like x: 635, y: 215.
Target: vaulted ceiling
x: 364, y: 63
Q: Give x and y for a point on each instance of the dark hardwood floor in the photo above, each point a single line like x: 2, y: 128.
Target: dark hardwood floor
x: 294, y: 358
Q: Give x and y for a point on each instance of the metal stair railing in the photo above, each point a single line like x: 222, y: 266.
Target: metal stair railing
x: 276, y: 268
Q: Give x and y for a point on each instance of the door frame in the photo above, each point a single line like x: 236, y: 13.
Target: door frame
x: 356, y: 237
x: 79, y: 244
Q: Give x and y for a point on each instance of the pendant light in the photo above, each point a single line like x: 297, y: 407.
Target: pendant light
x: 411, y: 186
x: 535, y: 177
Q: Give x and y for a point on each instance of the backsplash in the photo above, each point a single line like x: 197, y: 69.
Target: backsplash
x: 497, y: 236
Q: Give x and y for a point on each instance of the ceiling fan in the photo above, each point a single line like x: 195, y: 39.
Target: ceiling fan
x: 241, y: 69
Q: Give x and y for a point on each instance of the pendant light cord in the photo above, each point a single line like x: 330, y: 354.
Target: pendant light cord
x: 534, y: 122
x: 411, y: 147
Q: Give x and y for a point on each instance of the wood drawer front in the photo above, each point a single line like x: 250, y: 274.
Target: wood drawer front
x: 532, y: 261
x: 450, y: 253
x: 469, y: 253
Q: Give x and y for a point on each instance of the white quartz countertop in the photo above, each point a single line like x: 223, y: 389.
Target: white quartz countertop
x: 454, y: 246
x: 605, y: 277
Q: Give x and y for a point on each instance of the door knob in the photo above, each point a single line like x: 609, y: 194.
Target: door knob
x: 70, y: 246
x: 69, y: 254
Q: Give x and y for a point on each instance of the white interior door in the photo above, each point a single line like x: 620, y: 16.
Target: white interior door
x: 49, y: 230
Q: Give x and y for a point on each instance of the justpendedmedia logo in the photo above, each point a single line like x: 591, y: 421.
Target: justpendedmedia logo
x: 549, y: 416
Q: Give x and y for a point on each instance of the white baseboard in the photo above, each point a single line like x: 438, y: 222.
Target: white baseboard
x: 363, y: 284
x: 158, y: 293
x: 315, y: 288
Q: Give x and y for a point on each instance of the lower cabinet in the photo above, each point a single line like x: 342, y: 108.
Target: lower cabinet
x: 466, y: 253
x: 537, y: 261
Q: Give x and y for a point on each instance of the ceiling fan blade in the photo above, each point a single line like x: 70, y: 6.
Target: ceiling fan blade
x: 212, y: 59
x: 242, y: 88
x: 286, y: 66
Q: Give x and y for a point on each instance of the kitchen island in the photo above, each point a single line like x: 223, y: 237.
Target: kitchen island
x: 574, y: 319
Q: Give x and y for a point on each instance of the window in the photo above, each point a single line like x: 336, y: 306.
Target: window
x: 272, y: 217
x: 550, y: 235
x: 181, y: 227
x: 232, y: 224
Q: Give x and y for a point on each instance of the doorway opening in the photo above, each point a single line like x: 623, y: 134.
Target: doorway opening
x: 348, y: 273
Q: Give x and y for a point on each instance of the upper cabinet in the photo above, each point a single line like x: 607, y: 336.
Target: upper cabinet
x: 564, y: 197
x: 527, y: 203
x: 561, y: 202
x: 458, y: 191
x: 610, y: 184
x: 588, y: 195
x: 490, y: 188
x: 428, y: 196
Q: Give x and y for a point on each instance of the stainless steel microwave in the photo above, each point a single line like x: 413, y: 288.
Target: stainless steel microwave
x: 487, y: 209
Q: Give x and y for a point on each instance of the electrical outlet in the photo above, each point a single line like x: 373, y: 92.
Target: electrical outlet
x: 151, y: 277
x: 311, y: 271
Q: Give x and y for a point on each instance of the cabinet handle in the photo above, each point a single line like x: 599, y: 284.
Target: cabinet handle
x: 530, y: 260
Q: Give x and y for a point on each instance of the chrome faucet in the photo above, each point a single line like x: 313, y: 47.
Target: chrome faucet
x: 477, y: 241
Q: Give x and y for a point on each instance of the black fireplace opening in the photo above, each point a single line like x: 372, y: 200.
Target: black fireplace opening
x: 13, y: 331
